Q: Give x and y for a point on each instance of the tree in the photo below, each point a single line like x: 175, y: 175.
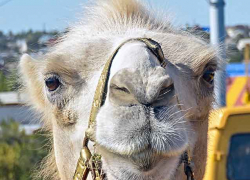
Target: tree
x: 19, y: 152
x: 3, y: 82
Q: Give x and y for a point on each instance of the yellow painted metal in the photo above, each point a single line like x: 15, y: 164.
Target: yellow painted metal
x: 223, y: 124
x: 235, y: 90
x: 247, y: 58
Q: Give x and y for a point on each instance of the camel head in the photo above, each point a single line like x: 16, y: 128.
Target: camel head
x: 151, y: 114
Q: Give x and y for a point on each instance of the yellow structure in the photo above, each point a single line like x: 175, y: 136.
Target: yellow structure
x: 237, y: 94
x: 229, y: 144
x: 238, y: 87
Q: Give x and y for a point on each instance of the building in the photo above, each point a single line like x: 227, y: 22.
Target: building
x: 12, y: 107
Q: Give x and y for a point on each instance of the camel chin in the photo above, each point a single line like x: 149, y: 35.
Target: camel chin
x: 144, y: 143
x: 145, y: 165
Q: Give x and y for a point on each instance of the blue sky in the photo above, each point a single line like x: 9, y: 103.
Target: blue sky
x: 19, y: 15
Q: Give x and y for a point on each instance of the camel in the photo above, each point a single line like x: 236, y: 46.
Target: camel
x: 151, y: 114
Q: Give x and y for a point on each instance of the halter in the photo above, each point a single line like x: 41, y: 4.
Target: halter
x: 92, y: 163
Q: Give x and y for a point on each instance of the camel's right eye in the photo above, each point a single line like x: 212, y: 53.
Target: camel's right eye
x: 52, y: 83
x: 208, y: 76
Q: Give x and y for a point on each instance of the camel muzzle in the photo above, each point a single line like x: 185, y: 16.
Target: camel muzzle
x: 89, y: 162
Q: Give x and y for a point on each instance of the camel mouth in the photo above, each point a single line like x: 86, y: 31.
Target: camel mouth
x: 147, y: 163
x: 141, y: 136
x: 146, y: 151
x: 145, y: 159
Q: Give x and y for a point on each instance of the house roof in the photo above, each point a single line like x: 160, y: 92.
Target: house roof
x: 11, y: 98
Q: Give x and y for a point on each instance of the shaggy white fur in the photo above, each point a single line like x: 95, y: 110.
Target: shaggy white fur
x: 141, y: 131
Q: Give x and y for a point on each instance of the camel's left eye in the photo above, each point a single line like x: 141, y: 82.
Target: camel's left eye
x: 208, y: 76
x: 52, y: 83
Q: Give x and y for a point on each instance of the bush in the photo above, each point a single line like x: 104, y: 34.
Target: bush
x: 3, y: 83
x: 19, y: 152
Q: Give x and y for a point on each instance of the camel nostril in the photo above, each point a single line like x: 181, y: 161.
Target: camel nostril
x: 123, y: 89
x: 159, y: 109
x: 121, y: 94
x: 132, y: 105
x: 147, y: 104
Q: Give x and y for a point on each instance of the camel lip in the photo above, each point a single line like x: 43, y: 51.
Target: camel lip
x: 147, y: 153
x: 146, y: 150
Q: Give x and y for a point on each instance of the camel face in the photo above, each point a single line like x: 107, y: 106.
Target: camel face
x: 151, y: 114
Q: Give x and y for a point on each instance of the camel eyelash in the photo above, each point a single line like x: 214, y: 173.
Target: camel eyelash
x: 49, y: 75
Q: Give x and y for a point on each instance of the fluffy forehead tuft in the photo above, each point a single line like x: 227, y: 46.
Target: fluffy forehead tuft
x: 107, y: 23
x: 187, y: 50
x: 88, y: 44
x: 90, y: 57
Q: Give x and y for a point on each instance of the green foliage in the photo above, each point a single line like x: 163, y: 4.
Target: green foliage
x: 32, y: 39
x: 3, y: 43
x: 19, y: 152
x: 12, y: 80
x: 9, y: 82
x: 236, y: 57
x: 3, y: 83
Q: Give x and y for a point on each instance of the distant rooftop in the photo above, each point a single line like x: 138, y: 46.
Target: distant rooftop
x: 11, y: 98
x: 12, y: 107
x: 242, y: 43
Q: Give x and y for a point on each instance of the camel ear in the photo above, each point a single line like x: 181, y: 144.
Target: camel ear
x: 32, y: 81
x: 27, y: 65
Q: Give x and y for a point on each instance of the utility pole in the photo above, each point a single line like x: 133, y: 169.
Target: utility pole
x: 217, y: 39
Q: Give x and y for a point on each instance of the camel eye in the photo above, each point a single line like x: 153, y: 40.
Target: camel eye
x: 52, y: 83
x: 208, y: 76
